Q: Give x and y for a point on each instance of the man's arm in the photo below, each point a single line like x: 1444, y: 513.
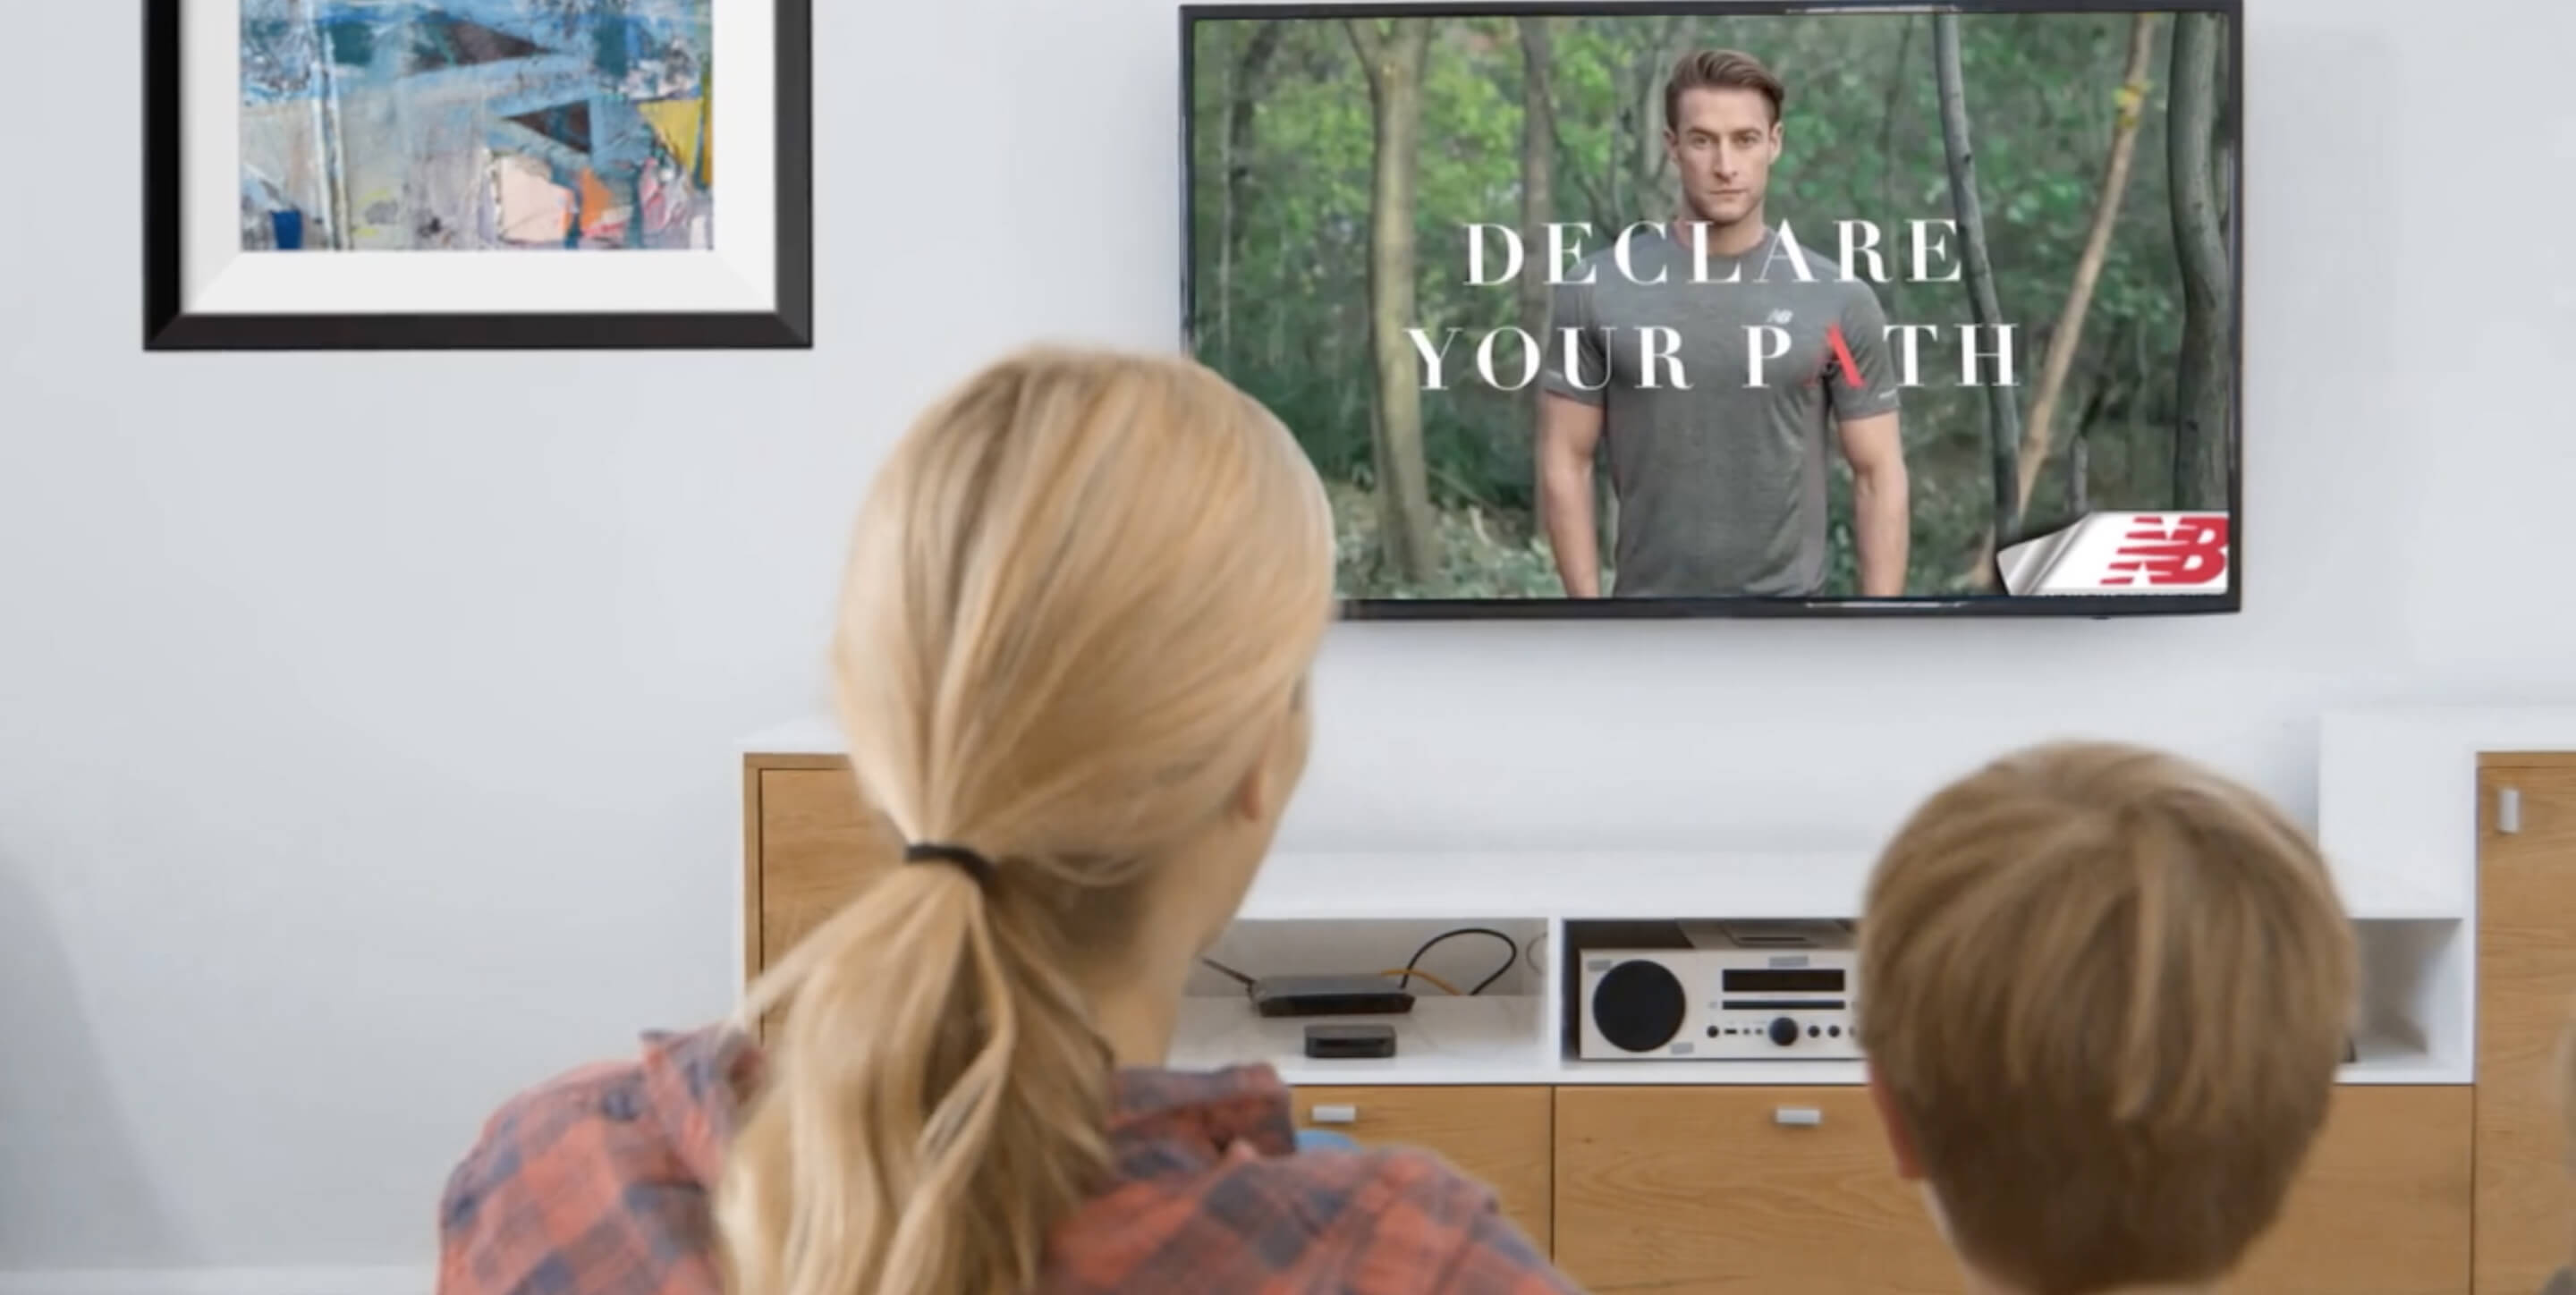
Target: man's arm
x: 1865, y: 398
x: 1569, y: 433
x: 1881, y: 524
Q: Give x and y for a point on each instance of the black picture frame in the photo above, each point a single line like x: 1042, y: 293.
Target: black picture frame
x: 168, y: 326
x: 2095, y: 607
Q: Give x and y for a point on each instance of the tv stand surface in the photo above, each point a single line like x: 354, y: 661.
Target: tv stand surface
x: 1611, y: 1164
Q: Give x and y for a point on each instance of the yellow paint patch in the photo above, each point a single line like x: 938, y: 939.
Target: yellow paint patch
x: 682, y: 126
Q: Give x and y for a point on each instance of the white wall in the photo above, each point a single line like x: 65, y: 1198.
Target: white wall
x: 364, y: 719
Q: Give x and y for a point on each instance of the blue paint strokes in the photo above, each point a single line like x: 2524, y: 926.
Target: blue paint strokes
x: 609, y: 44
x: 417, y: 105
x: 353, y: 44
x: 640, y: 57
x: 288, y: 225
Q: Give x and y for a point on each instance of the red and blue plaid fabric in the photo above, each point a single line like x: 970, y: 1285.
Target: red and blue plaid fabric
x: 598, y: 1182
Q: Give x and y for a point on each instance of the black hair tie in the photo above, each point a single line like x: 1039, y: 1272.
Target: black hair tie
x: 974, y: 865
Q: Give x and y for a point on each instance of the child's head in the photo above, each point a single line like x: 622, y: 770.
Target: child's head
x: 2104, y: 993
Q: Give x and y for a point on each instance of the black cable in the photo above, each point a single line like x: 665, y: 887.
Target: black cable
x: 1514, y: 945
x: 1230, y: 973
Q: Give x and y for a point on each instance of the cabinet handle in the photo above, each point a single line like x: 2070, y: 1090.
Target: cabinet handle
x: 1334, y: 1115
x: 2509, y: 811
x: 1797, y: 1117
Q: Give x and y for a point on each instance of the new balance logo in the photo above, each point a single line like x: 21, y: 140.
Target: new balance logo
x: 2123, y: 553
x: 2171, y: 551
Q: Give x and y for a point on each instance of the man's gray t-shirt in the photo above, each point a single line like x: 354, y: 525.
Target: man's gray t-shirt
x: 1721, y: 485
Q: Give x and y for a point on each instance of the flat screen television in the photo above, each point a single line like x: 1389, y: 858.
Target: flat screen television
x: 1749, y: 309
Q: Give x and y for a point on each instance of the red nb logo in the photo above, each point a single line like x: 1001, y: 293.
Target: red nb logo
x: 2185, y: 550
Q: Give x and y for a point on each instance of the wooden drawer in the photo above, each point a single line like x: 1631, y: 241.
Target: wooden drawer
x: 2526, y: 1199
x: 1498, y: 1134
x: 2383, y: 1205
x: 813, y: 845
x: 1738, y: 1191
x: 1702, y: 1190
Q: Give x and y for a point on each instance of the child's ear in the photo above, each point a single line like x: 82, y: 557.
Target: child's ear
x: 1898, y: 1140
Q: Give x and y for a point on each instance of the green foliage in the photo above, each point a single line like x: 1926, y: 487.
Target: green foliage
x: 1286, y: 312
x: 1483, y: 553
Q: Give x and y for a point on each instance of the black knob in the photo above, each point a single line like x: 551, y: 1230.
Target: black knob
x: 1638, y: 1006
x: 1784, y: 1031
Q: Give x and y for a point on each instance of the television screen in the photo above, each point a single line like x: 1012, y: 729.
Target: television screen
x: 1735, y: 310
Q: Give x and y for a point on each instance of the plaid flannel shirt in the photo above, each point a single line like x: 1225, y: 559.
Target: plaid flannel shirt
x: 597, y: 1183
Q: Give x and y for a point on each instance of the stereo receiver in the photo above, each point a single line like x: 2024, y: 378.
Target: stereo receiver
x: 1728, y: 991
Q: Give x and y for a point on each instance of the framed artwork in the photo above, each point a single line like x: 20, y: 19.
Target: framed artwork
x: 477, y: 174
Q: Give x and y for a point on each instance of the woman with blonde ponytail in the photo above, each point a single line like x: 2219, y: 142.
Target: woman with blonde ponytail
x: 1078, y: 615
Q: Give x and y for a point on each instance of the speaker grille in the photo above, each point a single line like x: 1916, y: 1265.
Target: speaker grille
x: 1638, y: 1006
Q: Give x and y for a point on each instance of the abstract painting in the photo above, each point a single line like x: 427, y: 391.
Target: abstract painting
x: 339, y: 175
x: 477, y: 125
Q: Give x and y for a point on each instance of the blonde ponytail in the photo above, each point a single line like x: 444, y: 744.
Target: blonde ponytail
x: 1080, y: 590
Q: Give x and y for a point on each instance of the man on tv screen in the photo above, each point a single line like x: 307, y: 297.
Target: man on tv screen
x: 1575, y: 322
x: 1714, y: 357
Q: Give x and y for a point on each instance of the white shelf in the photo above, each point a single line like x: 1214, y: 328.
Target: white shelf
x: 2397, y: 796
x: 2384, y: 896
x: 1733, y: 1073
x: 2398, y: 821
x: 2388, y: 1060
x: 1500, y: 1040
x: 1443, y: 1040
x: 812, y: 736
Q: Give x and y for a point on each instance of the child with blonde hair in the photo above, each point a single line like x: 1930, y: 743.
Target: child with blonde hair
x: 2103, y: 994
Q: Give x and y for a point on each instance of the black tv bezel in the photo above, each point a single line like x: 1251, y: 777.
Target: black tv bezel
x: 2097, y: 607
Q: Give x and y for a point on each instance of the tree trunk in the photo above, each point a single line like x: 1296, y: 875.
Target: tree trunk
x: 1395, y: 62
x: 2065, y: 339
x: 1652, y: 159
x: 2002, y: 417
x: 1538, y: 206
x: 1224, y: 307
x: 2223, y: 149
x: 2079, y: 472
x: 1278, y: 349
x: 1245, y: 79
x: 1896, y: 84
x: 2136, y: 433
x: 1538, y: 170
x: 2079, y: 449
x: 2201, y: 423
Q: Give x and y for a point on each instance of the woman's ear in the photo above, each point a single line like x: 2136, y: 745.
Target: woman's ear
x: 1267, y: 785
x: 1908, y: 1167
x: 1254, y: 795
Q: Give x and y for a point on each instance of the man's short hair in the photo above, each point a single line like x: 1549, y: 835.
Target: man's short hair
x: 2105, y: 991
x: 1719, y: 69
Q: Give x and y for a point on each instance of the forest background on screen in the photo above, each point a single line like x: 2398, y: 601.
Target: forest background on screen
x: 1311, y: 164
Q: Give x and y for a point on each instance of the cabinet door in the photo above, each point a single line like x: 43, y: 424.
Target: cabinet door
x: 1711, y: 1190
x: 1497, y: 1134
x: 813, y: 846
x: 2526, y: 988
x: 2382, y: 1207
